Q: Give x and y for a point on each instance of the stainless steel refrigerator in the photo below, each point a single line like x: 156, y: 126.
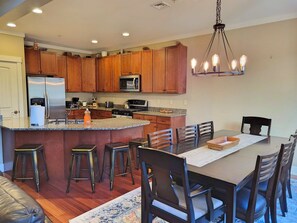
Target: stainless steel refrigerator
x: 48, y: 92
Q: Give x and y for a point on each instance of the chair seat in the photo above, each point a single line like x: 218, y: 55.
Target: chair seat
x: 242, y: 202
x: 84, y: 148
x: 28, y: 147
x: 116, y: 145
x: 262, y: 187
x: 199, y: 204
x: 138, y: 141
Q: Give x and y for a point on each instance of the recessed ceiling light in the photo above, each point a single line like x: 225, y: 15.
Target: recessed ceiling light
x: 125, y: 34
x: 11, y: 24
x: 37, y: 10
x: 94, y: 41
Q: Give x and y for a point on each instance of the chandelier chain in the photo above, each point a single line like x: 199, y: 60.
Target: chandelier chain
x: 218, y: 12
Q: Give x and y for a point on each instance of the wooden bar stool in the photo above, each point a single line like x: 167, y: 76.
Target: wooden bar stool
x: 134, y: 144
x: 113, y: 149
x: 90, y: 152
x: 31, y: 150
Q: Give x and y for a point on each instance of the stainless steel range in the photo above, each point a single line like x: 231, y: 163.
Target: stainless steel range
x: 133, y: 105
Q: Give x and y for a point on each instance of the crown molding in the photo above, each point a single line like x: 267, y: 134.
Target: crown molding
x: 54, y: 47
x: 11, y: 33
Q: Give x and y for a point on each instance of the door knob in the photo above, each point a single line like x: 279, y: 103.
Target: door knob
x: 16, y: 112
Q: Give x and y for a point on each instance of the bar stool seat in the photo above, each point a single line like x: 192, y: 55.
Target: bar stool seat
x: 113, y: 149
x: 90, y: 152
x: 134, y: 144
x: 23, y: 152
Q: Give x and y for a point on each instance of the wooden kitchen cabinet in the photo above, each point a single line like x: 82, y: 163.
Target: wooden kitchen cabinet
x: 147, y: 71
x: 160, y: 122
x: 176, y: 69
x: 131, y: 63
x: 170, y: 69
x: 74, y: 77
x: 109, y: 71
x: 40, y: 62
x: 159, y: 80
x: 62, y: 67
x: 100, y: 114
x: 88, y: 75
x: 76, y: 114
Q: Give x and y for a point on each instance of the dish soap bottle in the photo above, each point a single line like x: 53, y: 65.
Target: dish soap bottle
x: 87, y: 117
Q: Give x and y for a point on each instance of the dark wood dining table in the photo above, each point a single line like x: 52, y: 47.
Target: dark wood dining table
x: 229, y: 174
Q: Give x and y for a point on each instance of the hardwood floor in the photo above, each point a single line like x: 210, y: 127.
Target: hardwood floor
x: 60, y: 207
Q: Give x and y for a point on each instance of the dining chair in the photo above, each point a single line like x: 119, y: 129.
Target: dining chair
x: 187, y: 137
x: 291, y: 163
x: 255, y: 124
x: 169, y: 201
x: 205, y: 130
x: 160, y: 139
x: 250, y: 204
x: 280, y: 181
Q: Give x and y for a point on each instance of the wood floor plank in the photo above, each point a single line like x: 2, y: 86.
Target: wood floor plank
x: 60, y: 206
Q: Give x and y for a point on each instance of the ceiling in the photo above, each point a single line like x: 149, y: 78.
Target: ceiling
x: 74, y: 23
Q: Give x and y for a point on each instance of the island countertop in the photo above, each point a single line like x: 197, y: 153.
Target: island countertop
x: 23, y: 124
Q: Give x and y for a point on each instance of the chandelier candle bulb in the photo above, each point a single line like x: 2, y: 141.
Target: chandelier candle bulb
x: 205, y: 66
x: 193, y: 64
x: 234, y: 64
x: 242, y: 62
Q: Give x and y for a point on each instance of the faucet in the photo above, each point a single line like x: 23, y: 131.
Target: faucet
x: 68, y: 113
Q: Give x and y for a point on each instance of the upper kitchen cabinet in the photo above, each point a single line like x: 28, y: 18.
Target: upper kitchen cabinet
x: 40, y: 62
x: 88, y: 75
x: 74, y: 73
x: 147, y: 71
x: 62, y: 67
x: 159, y: 78
x: 109, y: 71
x: 170, y: 69
x: 131, y: 63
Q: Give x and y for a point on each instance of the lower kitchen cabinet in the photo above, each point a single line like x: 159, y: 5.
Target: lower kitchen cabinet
x: 161, y: 122
x: 100, y: 114
x: 76, y: 114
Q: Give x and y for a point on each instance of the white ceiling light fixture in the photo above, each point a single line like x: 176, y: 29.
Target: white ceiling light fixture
x: 125, y: 34
x: 94, y: 41
x: 37, y: 10
x: 223, y: 62
x: 11, y: 24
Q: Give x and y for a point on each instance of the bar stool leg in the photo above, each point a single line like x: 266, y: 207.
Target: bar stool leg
x: 96, y: 163
x: 70, y: 173
x: 44, y: 164
x: 15, y: 160
x: 111, y: 177
x: 102, y: 171
x: 35, y: 168
x: 24, y: 167
x: 91, y: 170
x: 130, y: 166
x: 77, y: 166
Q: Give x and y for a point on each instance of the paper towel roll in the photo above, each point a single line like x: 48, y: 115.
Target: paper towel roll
x: 37, y: 115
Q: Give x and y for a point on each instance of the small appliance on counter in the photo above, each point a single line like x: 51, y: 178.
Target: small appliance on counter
x: 75, y: 102
x: 108, y: 104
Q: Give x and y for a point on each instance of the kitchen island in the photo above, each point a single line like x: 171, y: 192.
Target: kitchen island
x: 59, y: 139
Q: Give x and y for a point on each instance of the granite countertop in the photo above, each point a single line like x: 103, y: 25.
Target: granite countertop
x: 93, y: 108
x: 22, y: 124
x: 158, y: 113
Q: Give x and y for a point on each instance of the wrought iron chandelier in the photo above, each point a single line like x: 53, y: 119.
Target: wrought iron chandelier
x: 223, y: 62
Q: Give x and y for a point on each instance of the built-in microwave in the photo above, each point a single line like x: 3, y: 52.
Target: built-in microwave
x: 130, y: 83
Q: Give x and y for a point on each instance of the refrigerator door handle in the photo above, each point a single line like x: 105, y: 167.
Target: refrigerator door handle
x: 45, y: 104
x: 48, y: 106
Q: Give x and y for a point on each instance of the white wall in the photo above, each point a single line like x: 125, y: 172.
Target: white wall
x: 269, y: 87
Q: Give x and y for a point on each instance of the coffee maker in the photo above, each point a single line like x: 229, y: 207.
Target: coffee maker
x: 75, y: 102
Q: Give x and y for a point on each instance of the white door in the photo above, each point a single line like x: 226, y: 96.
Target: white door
x: 9, y: 90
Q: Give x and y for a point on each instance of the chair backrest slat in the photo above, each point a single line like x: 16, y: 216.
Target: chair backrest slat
x: 160, y: 139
